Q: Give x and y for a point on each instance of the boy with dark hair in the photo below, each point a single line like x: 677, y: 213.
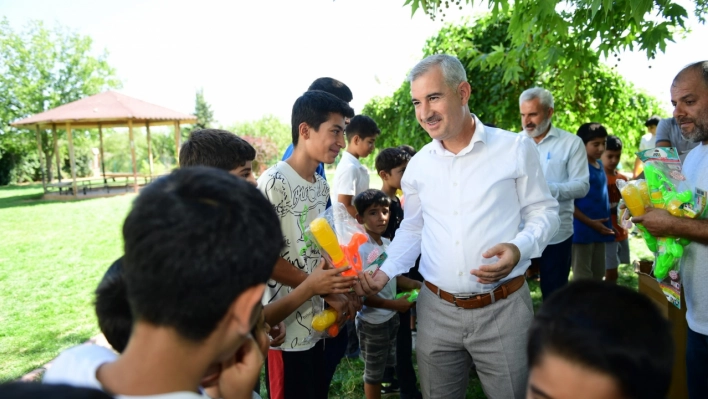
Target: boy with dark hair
x: 112, y: 308
x: 337, y: 89
x: 177, y: 338
x: 219, y: 149
x: 351, y: 177
x: 617, y: 251
x: 299, y: 195
x: 591, y: 218
x: 377, y: 323
x: 593, y: 340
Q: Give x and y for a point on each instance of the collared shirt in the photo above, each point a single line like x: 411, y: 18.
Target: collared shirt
x: 350, y: 178
x: 458, y: 206
x: 565, y: 165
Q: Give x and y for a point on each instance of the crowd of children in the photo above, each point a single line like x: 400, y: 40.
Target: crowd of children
x: 218, y: 273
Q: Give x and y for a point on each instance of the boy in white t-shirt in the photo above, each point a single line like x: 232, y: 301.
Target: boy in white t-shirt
x: 351, y: 177
x: 377, y: 322
x: 299, y: 195
x: 199, y: 246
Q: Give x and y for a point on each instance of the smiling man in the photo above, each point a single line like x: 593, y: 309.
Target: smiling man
x: 467, y: 193
x: 564, y: 163
x: 689, y: 95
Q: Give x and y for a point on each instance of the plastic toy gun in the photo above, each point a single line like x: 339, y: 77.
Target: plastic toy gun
x: 663, y: 195
x: 325, y: 320
x: 412, y: 295
x: 342, y: 255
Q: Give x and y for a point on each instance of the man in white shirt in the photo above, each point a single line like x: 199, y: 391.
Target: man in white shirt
x: 565, y: 166
x: 467, y: 194
x: 689, y: 95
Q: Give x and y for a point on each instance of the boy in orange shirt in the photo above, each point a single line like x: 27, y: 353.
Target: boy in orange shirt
x: 616, y: 252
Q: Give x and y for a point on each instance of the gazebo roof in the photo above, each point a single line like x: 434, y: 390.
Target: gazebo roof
x: 110, y: 109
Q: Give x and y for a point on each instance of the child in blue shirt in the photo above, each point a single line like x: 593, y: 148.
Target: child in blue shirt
x: 591, y: 219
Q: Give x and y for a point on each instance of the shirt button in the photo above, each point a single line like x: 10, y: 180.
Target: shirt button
x: 460, y: 273
x: 457, y: 243
x: 454, y: 213
x: 454, y: 184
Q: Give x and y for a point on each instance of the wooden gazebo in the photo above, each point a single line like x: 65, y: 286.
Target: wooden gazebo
x: 107, y: 109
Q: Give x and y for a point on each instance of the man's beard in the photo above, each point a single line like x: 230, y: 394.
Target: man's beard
x: 539, y: 129
x: 700, y: 128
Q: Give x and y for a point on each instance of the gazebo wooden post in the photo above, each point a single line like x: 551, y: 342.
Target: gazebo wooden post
x: 70, y: 138
x: 147, y: 128
x: 178, y: 142
x: 41, y: 158
x: 103, y: 162
x: 132, y: 155
x: 56, y: 151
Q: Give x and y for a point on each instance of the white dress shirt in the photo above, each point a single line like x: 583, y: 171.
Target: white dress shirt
x: 350, y: 177
x: 565, y: 165
x: 459, y: 206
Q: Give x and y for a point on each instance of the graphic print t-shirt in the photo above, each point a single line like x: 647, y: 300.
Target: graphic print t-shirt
x: 297, y: 202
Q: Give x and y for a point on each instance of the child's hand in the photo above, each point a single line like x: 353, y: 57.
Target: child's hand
x: 597, y: 225
x: 402, y: 305
x: 240, y: 373
x: 324, y: 280
x: 278, y: 335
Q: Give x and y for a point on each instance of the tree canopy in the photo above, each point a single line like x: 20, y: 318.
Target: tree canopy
x: 600, y: 95
x: 558, y: 30
x: 40, y: 69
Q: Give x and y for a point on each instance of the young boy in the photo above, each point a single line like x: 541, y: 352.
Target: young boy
x: 351, y: 177
x: 219, y: 149
x: 176, y: 338
x: 591, y: 224
x: 299, y: 195
x: 592, y: 340
x: 377, y: 323
x: 391, y: 164
x: 617, y: 251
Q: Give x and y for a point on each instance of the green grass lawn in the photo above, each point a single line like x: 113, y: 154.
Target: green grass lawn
x: 51, y: 259
x: 52, y: 256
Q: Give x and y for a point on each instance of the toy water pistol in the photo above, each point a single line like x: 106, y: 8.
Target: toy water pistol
x: 664, y: 195
x: 636, y: 197
x: 412, y: 296
x: 326, y: 321
x: 342, y: 255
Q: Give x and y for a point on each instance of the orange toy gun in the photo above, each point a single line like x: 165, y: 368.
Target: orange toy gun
x: 342, y: 255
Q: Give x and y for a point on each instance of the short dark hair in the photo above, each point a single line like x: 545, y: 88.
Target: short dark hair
x: 653, y: 121
x: 610, y: 329
x: 366, y: 199
x: 362, y: 126
x: 194, y: 241
x: 314, y: 108
x: 590, y: 131
x: 613, y: 143
x: 334, y: 87
x: 36, y: 390
x: 112, y: 308
x: 390, y: 158
x: 216, y: 148
x: 409, y: 149
x: 700, y: 67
